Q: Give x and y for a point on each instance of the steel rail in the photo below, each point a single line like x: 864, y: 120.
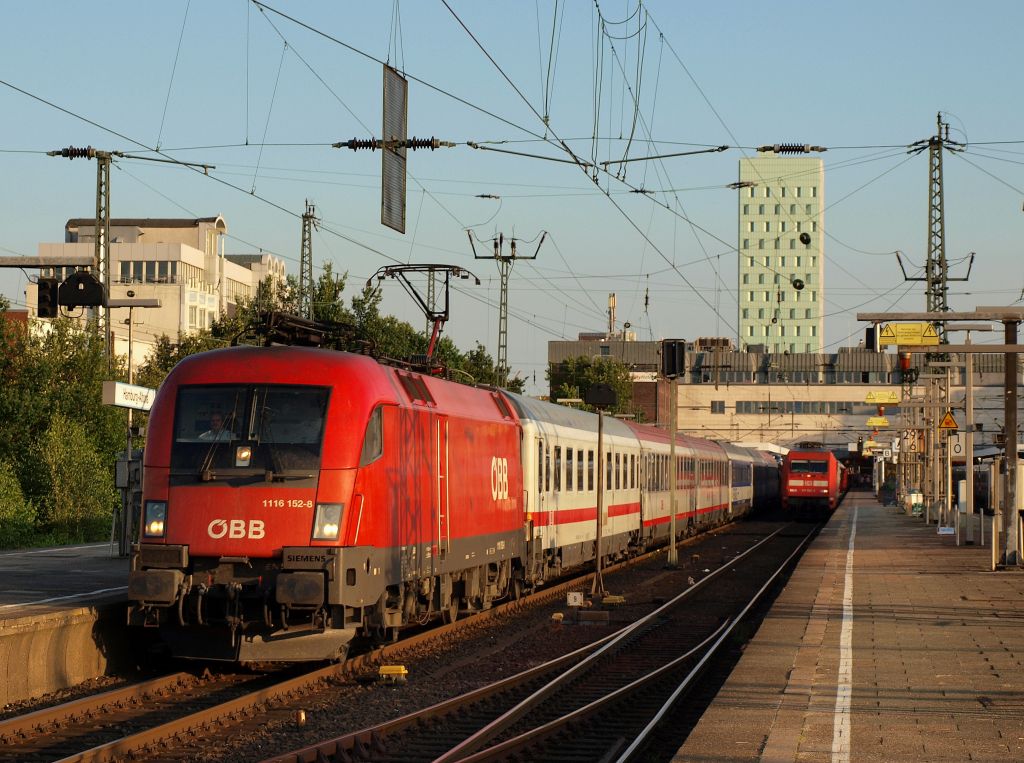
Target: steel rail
x: 39, y: 720
x: 365, y: 741
x: 499, y: 725
x: 710, y: 647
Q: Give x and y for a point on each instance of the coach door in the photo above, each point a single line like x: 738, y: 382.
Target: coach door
x: 442, y: 528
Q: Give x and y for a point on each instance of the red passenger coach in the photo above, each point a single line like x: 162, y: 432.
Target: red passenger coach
x: 812, y: 480
x: 338, y: 495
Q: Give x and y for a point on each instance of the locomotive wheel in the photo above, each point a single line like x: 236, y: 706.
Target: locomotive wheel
x: 451, y: 613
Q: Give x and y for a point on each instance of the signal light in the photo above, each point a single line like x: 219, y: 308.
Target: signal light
x: 46, y: 297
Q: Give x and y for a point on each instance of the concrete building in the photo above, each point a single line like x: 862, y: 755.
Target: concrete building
x: 179, y: 261
x: 781, y: 239
x: 754, y: 397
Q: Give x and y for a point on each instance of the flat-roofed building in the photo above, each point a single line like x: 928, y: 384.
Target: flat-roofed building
x: 180, y: 261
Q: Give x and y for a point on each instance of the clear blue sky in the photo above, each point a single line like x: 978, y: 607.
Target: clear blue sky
x: 863, y: 79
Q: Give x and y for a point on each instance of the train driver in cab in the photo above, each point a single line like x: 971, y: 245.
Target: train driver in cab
x: 217, y: 432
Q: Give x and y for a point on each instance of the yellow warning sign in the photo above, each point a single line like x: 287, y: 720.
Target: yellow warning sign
x: 908, y: 333
x: 882, y: 397
x: 878, y: 421
x: 948, y: 422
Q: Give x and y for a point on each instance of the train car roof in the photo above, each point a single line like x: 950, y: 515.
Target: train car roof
x: 657, y: 434
x: 356, y: 374
x: 738, y: 452
x: 531, y: 409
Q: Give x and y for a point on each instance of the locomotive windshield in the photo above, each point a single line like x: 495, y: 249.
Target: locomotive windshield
x: 239, y: 429
x: 808, y: 467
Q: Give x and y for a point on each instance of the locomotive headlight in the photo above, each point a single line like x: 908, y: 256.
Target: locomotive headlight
x: 328, y: 521
x: 154, y: 519
x: 243, y: 455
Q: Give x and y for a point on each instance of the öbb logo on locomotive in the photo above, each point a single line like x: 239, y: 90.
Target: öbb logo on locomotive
x: 499, y: 478
x: 236, y: 528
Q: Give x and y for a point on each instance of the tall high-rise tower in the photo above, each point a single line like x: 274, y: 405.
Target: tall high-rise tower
x: 781, y: 243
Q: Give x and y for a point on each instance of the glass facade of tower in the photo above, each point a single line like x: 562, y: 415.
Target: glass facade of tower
x: 781, y: 240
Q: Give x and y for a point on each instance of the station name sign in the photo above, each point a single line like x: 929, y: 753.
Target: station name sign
x: 128, y: 395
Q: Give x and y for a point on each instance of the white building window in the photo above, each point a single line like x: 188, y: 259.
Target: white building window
x: 760, y: 278
x: 814, y: 191
x: 750, y: 226
x: 814, y: 330
x: 746, y: 209
x: 792, y: 209
x: 792, y: 243
x: 746, y: 243
x: 782, y: 192
x: 796, y: 331
x: 746, y: 278
x: 778, y: 209
x: 767, y: 226
x: 760, y: 243
x: 751, y: 192
x: 782, y: 330
x: 760, y: 209
x: 750, y: 330
x: 750, y: 296
x: 746, y: 313
x: 808, y: 313
x: 814, y: 261
x: 760, y: 313
x: 778, y: 243
x: 782, y: 261
x: 814, y: 296
x: 798, y: 190
x: 750, y: 262
x: 782, y: 226
x: 767, y: 262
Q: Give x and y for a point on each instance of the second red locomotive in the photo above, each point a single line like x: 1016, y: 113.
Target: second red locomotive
x: 813, y: 480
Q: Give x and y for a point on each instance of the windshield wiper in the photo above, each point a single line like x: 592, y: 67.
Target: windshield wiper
x: 271, y: 476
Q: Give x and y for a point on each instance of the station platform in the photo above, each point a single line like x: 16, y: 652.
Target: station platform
x: 889, y: 643
x: 62, y: 614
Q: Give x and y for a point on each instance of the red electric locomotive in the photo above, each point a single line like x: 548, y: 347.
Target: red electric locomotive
x: 812, y: 480
x: 272, y: 509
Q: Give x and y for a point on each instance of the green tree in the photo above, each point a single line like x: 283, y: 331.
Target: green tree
x: 79, y: 504
x: 56, y: 376
x: 17, y: 515
x: 573, y: 378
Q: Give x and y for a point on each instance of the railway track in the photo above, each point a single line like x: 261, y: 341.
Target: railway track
x: 605, y: 702
x: 177, y: 717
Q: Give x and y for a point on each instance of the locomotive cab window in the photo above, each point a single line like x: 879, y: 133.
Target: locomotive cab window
x: 238, y: 430
x: 373, y: 441
x: 808, y: 467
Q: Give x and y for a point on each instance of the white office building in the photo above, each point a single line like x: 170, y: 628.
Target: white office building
x: 181, y: 262
x: 781, y: 243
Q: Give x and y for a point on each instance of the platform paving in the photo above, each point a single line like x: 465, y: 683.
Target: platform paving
x: 929, y: 669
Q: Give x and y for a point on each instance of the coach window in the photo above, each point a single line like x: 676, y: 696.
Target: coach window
x: 373, y: 442
x: 632, y: 471
x: 568, y: 469
x: 579, y: 470
x: 558, y: 468
x: 618, y: 472
x: 608, y: 472
x: 547, y: 470
x: 590, y: 471
x: 540, y: 466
